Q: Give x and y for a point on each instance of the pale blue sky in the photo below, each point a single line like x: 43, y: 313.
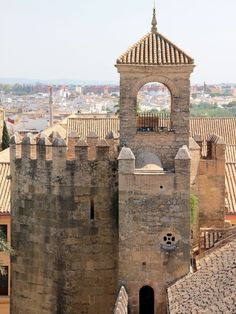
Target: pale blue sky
x: 81, y: 39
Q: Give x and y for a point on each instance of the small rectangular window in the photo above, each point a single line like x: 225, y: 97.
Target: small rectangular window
x: 3, y: 232
x: 4, y: 280
x: 92, y: 213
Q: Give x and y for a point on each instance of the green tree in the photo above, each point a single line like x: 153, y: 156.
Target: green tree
x: 231, y: 104
x: 4, y: 246
x: 117, y: 108
x: 5, y: 137
x: 209, y: 110
x: 7, y: 88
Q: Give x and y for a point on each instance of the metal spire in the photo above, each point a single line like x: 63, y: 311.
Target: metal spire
x: 154, y: 19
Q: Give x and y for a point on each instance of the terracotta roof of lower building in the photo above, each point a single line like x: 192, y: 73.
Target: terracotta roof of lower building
x: 230, y: 153
x: 55, y: 128
x: 209, y: 290
x: 230, y: 181
x: 5, y: 155
x: 4, y: 188
x: 206, y: 126
x: 100, y: 124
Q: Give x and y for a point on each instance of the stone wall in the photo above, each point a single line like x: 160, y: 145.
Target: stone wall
x: 154, y: 211
x: 64, y: 228
x: 208, y: 183
x: 154, y: 227
x: 211, y: 193
x: 164, y: 145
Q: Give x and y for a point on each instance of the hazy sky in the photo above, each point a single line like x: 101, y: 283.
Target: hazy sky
x: 81, y: 39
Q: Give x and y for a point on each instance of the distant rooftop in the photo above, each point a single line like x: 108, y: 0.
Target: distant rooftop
x: 99, y: 123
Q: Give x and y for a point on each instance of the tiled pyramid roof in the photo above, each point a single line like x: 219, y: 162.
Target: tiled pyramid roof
x: 154, y: 49
x: 100, y: 124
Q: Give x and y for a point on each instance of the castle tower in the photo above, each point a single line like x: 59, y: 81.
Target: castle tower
x: 155, y: 59
x: 64, y: 226
x: 64, y: 222
x: 154, y: 175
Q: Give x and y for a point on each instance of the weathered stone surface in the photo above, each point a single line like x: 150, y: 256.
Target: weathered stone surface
x: 126, y: 154
x: 183, y: 153
x: 66, y: 212
x: 59, y: 142
x: 154, y: 213
x: 208, y: 183
x: 176, y: 78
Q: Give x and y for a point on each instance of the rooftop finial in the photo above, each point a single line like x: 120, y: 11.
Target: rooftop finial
x: 154, y: 19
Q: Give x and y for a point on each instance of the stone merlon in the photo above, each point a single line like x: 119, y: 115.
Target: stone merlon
x: 59, y: 142
x: 126, y: 154
x: 15, y: 139
x: 82, y: 143
x: 28, y: 139
x: 183, y: 153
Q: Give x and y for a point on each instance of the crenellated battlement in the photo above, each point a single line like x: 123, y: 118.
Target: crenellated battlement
x: 213, y: 148
x: 54, y: 147
x: 48, y: 161
x: 216, y: 147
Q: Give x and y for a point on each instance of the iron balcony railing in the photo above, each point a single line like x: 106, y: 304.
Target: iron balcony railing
x: 153, y: 122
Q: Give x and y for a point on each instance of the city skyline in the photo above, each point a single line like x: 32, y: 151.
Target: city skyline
x: 81, y: 41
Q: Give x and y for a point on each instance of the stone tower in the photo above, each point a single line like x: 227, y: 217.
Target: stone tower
x: 154, y: 175
x: 85, y: 224
x: 64, y: 225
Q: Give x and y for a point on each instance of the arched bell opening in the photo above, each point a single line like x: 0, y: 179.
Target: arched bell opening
x: 146, y: 300
x: 153, y: 108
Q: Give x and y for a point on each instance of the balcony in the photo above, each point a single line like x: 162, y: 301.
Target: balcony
x: 153, y: 122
